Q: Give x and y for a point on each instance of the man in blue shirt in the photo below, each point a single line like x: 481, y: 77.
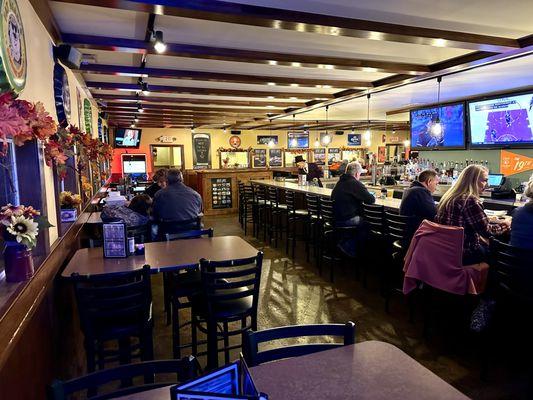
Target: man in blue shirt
x: 177, y: 202
x: 417, y: 201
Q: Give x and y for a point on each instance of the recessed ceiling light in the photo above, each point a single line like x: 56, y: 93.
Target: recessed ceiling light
x: 271, y: 84
x: 296, y: 64
x: 273, y: 62
x: 270, y: 97
x: 294, y: 85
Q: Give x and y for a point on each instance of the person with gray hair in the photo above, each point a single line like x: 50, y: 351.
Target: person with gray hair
x: 348, y: 196
x: 177, y: 202
x: 522, y: 225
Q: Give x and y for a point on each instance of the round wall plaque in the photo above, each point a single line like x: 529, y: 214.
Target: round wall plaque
x: 62, y: 95
x: 235, y: 141
x: 13, y: 47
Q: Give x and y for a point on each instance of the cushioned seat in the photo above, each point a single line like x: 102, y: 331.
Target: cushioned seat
x: 223, y: 309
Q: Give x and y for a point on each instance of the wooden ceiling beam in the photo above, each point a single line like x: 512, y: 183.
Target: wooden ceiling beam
x: 123, y: 99
x: 219, y: 110
x: 204, y: 91
x: 244, y: 56
x: 166, y: 73
x: 298, y: 21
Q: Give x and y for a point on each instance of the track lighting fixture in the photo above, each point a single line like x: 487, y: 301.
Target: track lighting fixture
x: 159, y: 44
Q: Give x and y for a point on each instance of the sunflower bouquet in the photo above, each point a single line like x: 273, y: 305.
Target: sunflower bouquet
x: 19, y: 224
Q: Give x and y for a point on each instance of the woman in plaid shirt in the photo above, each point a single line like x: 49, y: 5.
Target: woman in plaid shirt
x: 461, y: 206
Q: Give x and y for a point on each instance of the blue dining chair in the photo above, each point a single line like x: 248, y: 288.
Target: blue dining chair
x: 185, y: 369
x: 255, y: 357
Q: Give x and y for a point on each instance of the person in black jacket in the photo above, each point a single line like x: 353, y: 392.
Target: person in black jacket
x: 160, y: 182
x: 417, y: 201
x: 348, y: 196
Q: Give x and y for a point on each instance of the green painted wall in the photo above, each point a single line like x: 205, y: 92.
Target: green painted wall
x: 492, y: 156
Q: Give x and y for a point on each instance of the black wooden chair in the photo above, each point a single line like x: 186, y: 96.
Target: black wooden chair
x: 398, y: 236
x: 313, y: 224
x: 185, y: 369
x: 230, y: 294
x: 169, y: 226
x: 253, y: 338
x: 294, y: 216
x: 142, y: 234
x: 115, y: 307
x: 181, y: 287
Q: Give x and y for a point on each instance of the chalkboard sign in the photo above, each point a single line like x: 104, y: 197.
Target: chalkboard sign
x: 201, y: 150
x: 260, y: 158
x: 266, y: 139
x: 334, y: 154
x: 319, y: 156
x: 275, y: 158
x: 221, y: 193
x: 115, y: 244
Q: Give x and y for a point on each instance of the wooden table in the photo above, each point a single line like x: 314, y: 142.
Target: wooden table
x: 370, y: 370
x: 389, y: 203
x: 161, y: 256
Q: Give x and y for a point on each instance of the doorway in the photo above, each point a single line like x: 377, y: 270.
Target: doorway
x: 167, y: 156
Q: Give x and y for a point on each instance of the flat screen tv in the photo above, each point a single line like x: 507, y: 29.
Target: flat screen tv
x: 503, y: 121
x: 452, y: 135
x: 298, y: 140
x: 127, y: 138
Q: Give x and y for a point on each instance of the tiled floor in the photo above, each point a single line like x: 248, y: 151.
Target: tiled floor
x: 294, y: 293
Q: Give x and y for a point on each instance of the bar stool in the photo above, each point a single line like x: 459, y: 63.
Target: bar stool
x: 374, y: 216
x: 115, y: 307
x: 261, y: 207
x: 230, y: 294
x: 184, y: 286
x: 327, y: 249
x: 313, y: 223
x: 277, y: 211
x: 247, y: 201
x: 294, y: 216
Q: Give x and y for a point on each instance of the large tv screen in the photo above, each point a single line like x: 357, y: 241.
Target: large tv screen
x: 504, y: 121
x: 128, y: 138
x: 298, y: 140
x: 452, y: 135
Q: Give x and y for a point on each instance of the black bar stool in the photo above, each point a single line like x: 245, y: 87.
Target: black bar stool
x: 277, y: 211
x: 294, y: 216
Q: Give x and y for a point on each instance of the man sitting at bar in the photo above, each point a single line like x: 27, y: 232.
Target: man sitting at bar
x: 177, y: 204
x: 417, y: 201
x: 348, y: 196
x: 160, y: 182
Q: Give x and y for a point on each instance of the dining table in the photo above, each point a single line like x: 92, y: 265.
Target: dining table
x: 160, y: 256
x: 371, y: 370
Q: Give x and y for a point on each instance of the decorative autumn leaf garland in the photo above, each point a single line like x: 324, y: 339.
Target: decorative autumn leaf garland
x: 24, y: 121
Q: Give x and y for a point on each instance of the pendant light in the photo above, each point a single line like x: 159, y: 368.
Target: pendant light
x: 271, y: 141
x: 326, y: 140
x: 436, y: 127
x: 368, y: 133
x: 294, y: 141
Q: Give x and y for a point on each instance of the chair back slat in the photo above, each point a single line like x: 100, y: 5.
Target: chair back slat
x: 326, y: 211
x: 290, y: 200
x: 186, y: 368
x: 194, y: 234
x: 313, y: 205
x: 179, y: 226
x: 255, y: 357
x: 374, y: 215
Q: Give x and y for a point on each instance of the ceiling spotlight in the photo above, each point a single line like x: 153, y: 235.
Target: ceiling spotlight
x: 136, y: 119
x: 144, y: 89
x: 140, y: 108
x: 192, y: 129
x: 159, y: 44
x: 225, y: 130
x: 132, y: 125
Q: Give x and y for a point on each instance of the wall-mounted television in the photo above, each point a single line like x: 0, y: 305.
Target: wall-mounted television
x: 452, y: 135
x: 298, y: 140
x: 127, y: 138
x: 134, y: 164
x: 502, y: 121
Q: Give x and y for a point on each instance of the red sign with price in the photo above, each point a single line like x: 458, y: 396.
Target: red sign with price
x: 512, y: 163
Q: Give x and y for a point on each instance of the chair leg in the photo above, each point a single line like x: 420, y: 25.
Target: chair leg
x: 212, y: 346
x: 167, y: 297
x: 176, y: 331
x: 194, y: 337
x: 147, y: 345
x: 226, y: 343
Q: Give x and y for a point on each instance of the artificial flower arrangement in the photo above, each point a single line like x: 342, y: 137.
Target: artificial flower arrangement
x: 23, y: 121
x: 19, y: 224
x: 69, y: 200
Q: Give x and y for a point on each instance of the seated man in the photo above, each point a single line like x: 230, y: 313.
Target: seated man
x: 348, y: 196
x: 160, y: 182
x: 177, y: 202
x: 417, y: 201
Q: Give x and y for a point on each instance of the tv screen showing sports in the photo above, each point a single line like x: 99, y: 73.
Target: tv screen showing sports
x: 128, y: 138
x: 298, y: 140
x: 452, y: 133
x: 502, y: 121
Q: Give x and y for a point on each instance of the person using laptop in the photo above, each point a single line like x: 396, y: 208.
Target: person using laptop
x: 461, y: 206
x: 522, y: 225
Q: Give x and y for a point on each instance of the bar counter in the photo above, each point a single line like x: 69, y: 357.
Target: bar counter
x: 389, y: 203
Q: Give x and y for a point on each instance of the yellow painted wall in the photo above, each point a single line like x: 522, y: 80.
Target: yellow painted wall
x: 249, y: 139
x: 39, y: 87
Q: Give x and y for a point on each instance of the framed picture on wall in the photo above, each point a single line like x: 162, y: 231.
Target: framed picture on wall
x: 334, y: 155
x: 275, y: 158
x: 266, y: 139
x: 319, y: 156
x: 259, y: 158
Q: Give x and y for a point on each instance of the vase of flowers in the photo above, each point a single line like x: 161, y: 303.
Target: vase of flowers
x: 20, y: 236
x: 69, y: 203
